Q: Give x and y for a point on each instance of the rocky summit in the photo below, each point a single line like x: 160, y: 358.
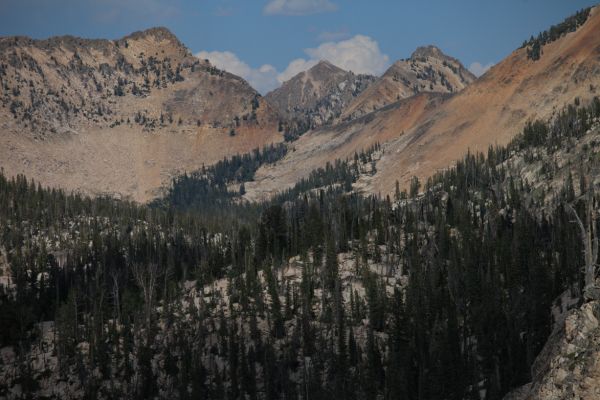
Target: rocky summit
x: 316, y: 97
x: 427, y: 70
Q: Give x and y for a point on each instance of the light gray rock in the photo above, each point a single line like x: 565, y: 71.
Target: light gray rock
x: 592, y: 293
x: 568, y: 367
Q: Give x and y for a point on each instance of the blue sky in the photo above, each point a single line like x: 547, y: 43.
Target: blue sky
x: 267, y: 41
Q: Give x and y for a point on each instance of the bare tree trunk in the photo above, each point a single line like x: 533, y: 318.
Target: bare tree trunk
x: 116, y: 295
x: 146, y: 278
x: 589, y: 237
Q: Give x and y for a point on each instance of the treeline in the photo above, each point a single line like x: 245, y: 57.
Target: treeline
x: 208, y: 187
x: 241, y: 168
x: 334, y: 178
x: 571, y: 24
x: 571, y: 123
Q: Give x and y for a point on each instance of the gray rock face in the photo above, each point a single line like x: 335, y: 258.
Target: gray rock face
x: 67, y: 83
x: 317, y: 96
x: 427, y: 70
x: 569, y: 365
x: 592, y: 293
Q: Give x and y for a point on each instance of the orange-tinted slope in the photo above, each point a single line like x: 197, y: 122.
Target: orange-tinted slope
x: 425, y: 133
x: 495, y: 108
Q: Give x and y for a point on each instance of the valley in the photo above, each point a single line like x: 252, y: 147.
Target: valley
x: 421, y: 233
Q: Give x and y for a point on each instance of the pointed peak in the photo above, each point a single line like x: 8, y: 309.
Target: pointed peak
x: 428, y: 51
x: 159, y: 33
x: 324, y: 65
x: 325, y: 62
x: 320, y: 71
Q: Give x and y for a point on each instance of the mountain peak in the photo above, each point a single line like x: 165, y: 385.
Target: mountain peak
x: 325, y: 62
x: 324, y: 66
x: 427, y: 70
x: 317, y: 96
x: 428, y: 51
x: 159, y: 33
x: 144, y: 82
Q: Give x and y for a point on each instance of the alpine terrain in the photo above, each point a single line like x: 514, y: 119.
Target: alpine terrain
x: 166, y: 232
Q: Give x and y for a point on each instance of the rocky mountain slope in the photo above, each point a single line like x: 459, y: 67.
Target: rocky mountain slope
x: 569, y: 365
x: 314, y: 149
x: 425, y: 133
x: 317, y: 96
x: 427, y: 70
x: 498, y: 105
x: 121, y: 116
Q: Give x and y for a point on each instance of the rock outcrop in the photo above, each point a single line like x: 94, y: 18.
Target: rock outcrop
x: 568, y: 367
x: 316, y: 97
x: 427, y: 70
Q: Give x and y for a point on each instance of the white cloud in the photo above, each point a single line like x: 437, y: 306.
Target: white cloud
x: 360, y: 54
x: 295, y: 67
x: 298, y: 7
x: 478, y: 69
x: 262, y: 79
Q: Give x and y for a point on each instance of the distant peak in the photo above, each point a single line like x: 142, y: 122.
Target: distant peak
x: 159, y: 33
x: 428, y: 51
x: 326, y: 66
x: 325, y: 63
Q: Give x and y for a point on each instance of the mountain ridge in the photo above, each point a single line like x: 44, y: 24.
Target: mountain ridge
x: 316, y: 97
x: 427, y: 70
x: 121, y: 116
x: 426, y: 133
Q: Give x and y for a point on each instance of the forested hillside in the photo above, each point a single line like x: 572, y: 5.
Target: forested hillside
x: 442, y: 292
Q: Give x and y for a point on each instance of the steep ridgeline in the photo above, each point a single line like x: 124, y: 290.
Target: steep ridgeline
x: 67, y: 83
x: 317, y: 96
x: 500, y: 103
x: 568, y: 367
x: 427, y: 70
x: 87, y: 95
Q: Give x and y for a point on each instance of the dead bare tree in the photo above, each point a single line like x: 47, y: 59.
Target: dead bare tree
x: 589, y: 237
x: 115, y: 275
x: 146, y: 277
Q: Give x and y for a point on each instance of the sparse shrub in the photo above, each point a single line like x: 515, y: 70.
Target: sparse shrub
x: 534, y: 45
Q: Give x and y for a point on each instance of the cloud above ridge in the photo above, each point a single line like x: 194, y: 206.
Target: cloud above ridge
x: 359, y: 54
x: 479, y: 69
